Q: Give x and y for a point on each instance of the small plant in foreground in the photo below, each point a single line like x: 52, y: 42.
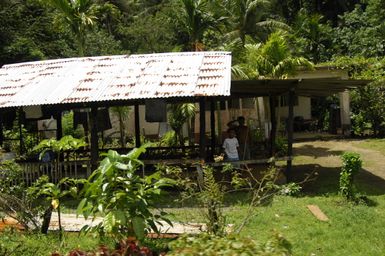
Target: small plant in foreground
x: 122, y: 198
x: 48, y: 196
x: 351, y: 164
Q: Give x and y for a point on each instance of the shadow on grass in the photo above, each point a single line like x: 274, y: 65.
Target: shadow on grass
x: 327, y: 180
x: 310, y: 150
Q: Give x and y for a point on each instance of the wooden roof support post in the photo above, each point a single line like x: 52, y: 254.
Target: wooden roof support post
x: 94, y: 138
x: 59, y: 126
x: 21, y: 139
x: 1, y: 133
x: 137, y: 126
x: 212, y: 128
x: 273, y: 131
x: 290, y: 122
x: 202, y: 128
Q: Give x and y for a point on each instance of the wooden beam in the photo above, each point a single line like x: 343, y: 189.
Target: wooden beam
x: 290, y: 122
x: 212, y: 128
x: 273, y: 132
x: 137, y: 126
x: 59, y: 125
x: 202, y: 128
x: 94, y: 138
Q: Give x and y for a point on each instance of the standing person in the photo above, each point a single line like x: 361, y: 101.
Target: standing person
x: 231, y: 145
x: 243, y: 135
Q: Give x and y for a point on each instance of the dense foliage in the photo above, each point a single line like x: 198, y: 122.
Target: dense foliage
x: 319, y: 31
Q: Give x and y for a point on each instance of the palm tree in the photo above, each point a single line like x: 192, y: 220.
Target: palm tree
x: 249, y: 17
x: 179, y: 115
x: 122, y: 112
x: 196, y: 19
x: 274, y: 59
x: 78, y: 15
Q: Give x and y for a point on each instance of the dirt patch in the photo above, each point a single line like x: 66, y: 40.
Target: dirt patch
x: 324, y: 157
x: 327, y: 153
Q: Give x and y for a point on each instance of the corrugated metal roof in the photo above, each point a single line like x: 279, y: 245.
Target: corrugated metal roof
x: 123, y: 77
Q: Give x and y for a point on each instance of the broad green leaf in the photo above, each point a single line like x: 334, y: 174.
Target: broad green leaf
x: 139, y: 226
x: 109, y: 222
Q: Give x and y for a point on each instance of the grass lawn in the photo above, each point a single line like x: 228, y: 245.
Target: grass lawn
x: 375, y: 144
x: 351, y: 229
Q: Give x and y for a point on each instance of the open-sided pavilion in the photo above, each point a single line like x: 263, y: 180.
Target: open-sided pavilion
x: 202, y: 77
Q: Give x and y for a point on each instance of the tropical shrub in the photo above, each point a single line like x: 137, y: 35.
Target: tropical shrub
x: 351, y: 164
x: 14, y: 200
x: 122, y: 198
x: 47, y: 196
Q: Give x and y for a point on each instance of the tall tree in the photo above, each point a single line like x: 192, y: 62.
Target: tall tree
x: 313, y: 36
x: 273, y: 59
x: 196, y: 19
x: 361, y: 32
x: 79, y: 16
x: 250, y: 17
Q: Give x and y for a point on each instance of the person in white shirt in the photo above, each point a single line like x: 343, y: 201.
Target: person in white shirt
x: 231, y: 146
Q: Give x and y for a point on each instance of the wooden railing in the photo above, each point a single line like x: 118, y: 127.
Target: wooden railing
x: 55, y: 172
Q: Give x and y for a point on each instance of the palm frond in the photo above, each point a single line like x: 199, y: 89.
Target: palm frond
x: 237, y: 72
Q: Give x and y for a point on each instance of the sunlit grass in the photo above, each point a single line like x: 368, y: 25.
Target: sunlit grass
x: 373, y: 144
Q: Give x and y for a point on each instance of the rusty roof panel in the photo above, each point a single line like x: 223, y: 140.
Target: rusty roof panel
x: 123, y: 77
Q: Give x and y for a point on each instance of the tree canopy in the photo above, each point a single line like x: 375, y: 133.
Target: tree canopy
x: 317, y: 30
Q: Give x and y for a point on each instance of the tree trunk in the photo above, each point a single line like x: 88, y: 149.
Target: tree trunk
x: 46, y: 220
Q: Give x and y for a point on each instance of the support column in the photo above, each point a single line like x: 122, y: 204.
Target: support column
x: 273, y: 132
x: 59, y: 126
x: 202, y: 128
x: 290, y: 122
x: 94, y: 138
x: 1, y: 133
x: 345, y: 112
x: 137, y: 126
x: 21, y: 139
x: 212, y: 128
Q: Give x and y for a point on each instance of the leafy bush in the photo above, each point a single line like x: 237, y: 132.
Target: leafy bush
x: 128, y: 247
x: 281, y: 146
x: 124, y: 199
x: 359, y: 125
x: 210, y: 245
x: 290, y: 189
x: 351, y: 164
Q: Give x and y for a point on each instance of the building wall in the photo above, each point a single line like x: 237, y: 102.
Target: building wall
x: 302, y: 109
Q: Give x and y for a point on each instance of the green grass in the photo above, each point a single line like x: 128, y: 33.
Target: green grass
x: 374, y: 144
x: 31, y: 244
x: 351, y: 230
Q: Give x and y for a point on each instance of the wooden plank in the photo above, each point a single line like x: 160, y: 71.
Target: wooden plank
x: 316, y: 211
